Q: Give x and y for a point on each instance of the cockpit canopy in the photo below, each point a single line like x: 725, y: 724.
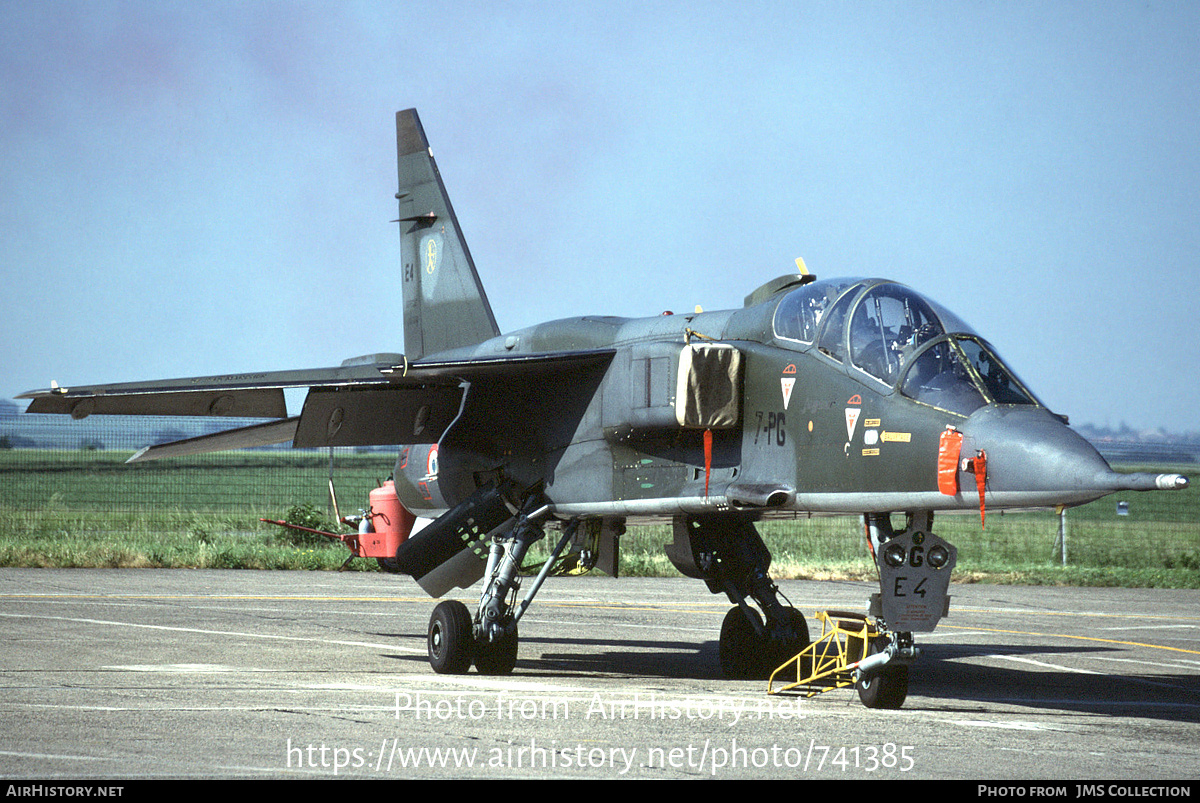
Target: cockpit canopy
x: 886, y: 332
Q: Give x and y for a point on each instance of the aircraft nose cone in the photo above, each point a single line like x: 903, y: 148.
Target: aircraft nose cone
x: 1034, y: 459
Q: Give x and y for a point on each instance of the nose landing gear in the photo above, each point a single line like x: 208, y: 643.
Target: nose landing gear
x: 873, y: 652
x: 853, y: 650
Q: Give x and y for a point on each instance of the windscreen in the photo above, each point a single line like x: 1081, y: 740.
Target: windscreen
x: 962, y: 374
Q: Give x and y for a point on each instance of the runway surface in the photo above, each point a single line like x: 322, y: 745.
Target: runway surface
x: 127, y: 674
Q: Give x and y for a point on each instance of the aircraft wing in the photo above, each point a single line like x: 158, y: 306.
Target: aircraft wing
x: 377, y: 400
x: 243, y: 395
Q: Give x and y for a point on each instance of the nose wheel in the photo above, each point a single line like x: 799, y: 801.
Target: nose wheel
x: 886, y: 689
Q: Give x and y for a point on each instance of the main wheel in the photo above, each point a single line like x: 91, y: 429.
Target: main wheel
x: 785, y: 650
x: 887, y: 687
x: 499, y: 657
x: 743, y: 651
x: 451, y: 642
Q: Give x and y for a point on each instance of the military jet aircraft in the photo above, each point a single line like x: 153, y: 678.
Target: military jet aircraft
x: 834, y: 396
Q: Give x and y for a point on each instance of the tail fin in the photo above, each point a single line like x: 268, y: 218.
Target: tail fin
x: 445, y: 306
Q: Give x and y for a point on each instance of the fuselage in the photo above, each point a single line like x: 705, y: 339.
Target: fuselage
x: 842, y: 392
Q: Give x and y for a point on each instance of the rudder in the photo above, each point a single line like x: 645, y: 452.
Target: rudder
x: 445, y: 306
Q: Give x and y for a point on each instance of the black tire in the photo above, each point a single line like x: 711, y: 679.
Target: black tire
x: 783, y: 651
x: 884, y: 688
x: 854, y: 644
x: 742, y: 649
x: 451, y: 643
x: 497, y: 658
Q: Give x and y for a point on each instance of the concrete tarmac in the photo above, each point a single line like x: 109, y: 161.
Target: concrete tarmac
x: 143, y: 674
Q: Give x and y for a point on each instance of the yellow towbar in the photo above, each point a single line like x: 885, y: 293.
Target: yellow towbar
x: 830, y: 661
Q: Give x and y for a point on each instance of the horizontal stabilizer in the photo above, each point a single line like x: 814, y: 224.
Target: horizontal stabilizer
x: 242, y: 438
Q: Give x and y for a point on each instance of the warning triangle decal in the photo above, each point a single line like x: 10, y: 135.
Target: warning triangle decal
x: 851, y: 421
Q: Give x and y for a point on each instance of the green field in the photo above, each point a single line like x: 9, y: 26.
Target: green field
x: 226, y: 482
x: 87, y: 508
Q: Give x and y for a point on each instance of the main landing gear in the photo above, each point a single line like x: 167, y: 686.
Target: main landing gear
x: 488, y: 638
x: 730, y: 557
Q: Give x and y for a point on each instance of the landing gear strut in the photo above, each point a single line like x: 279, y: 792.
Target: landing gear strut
x: 914, y: 581
x: 730, y: 557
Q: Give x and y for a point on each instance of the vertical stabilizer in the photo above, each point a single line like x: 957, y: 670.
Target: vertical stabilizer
x: 445, y: 306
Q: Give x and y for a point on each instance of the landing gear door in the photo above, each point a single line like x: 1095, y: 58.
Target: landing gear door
x: 914, y: 577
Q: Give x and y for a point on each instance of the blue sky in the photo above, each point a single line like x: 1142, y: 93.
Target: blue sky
x: 202, y: 188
